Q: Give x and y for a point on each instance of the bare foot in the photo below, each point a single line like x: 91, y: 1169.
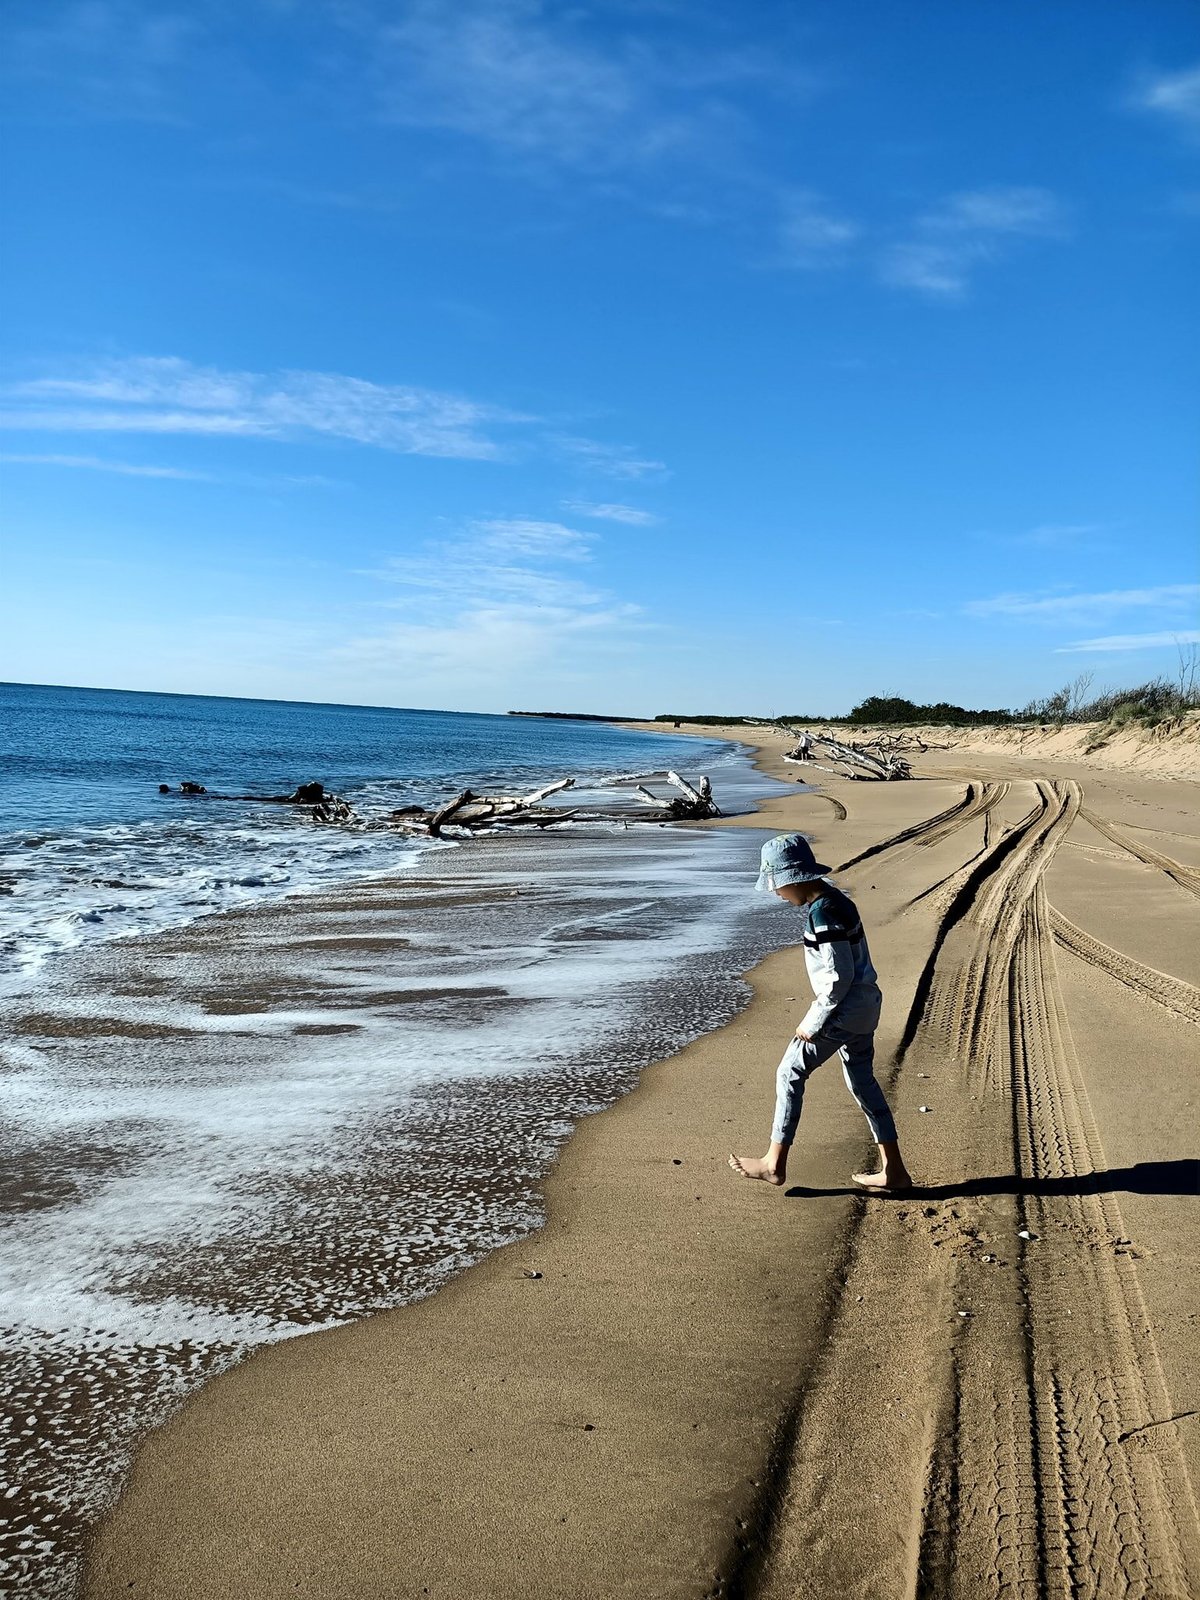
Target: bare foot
x: 758, y: 1167
x: 885, y: 1181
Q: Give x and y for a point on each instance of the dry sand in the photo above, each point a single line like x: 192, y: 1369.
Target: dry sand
x: 715, y: 1388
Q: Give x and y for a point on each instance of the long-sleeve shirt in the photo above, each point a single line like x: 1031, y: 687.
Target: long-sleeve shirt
x: 839, y: 966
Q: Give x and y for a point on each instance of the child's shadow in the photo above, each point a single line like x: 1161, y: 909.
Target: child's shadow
x: 1145, y: 1177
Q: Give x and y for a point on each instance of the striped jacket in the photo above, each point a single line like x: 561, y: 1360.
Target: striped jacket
x: 839, y: 966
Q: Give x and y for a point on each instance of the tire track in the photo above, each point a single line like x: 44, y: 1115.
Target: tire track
x: 978, y: 800
x: 1186, y: 877
x: 1042, y: 1435
x: 1026, y: 1481
x: 947, y: 891
x: 1173, y: 994
x: 957, y: 997
x: 1110, y: 1512
x: 838, y: 808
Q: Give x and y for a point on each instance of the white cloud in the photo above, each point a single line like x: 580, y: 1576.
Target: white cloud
x: 477, y: 618
x: 485, y: 645
x: 952, y: 239
x: 523, y: 536
x: 613, y: 460
x: 450, y: 580
x: 128, y: 469
x: 563, y: 86
x: 498, y: 73
x: 998, y: 210
x: 67, y: 419
x: 1054, y: 535
x: 1175, y: 95
x: 811, y: 235
x: 116, y: 58
x: 608, y: 511
x: 134, y: 469
x: 1168, y: 596
x: 932, y: 269
x: 1132, y: 641
x: 166, y: 395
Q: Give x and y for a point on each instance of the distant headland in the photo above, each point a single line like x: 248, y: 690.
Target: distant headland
x: 575, y: 716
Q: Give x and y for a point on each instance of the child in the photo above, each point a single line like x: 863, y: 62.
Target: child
x: 842, y: 1017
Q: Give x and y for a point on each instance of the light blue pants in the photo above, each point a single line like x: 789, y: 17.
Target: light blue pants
x: 802, y: 1058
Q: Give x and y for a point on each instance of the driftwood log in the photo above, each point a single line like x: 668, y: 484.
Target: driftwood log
x: 472, y: 813
x: 325, y: 807
x: 880, y: 758
x: 468, y: 813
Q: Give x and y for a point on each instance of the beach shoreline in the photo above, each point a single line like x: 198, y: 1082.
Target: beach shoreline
x: 618, y: 1401
x: 327, y: 1036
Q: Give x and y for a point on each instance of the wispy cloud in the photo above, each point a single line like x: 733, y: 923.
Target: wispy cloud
x: 1057, y: 535
x: 1109, y: 602
x: 608, y: 511
x: 127, y: 469
x: 116, y: 58
x: 448, y: 579
x: 559, y: 85
x: 812, y: 234
x: 1173, y: 95
x: 613, y: 460
x: 1132, y: 641
x: 136, y: 469
x: 167, y: 395
x: 484, y: 645
x: 497, y: 72
x: 996, y: 210
x: 491, y: 603
x: 524, y: 536
x: 948, y: 242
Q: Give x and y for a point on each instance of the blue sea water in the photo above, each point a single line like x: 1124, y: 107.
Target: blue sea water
x: 91, y: 850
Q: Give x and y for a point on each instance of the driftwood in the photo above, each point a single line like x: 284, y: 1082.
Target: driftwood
x: 662, y: 805
x: 879, y: 758
x: 472, y: 813
x: 326, y: 807
x: 468, y: 813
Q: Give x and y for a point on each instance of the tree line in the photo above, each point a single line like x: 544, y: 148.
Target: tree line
x: 1147, y: 704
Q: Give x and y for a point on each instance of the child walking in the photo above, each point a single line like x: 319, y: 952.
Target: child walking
x: 842, y: 1018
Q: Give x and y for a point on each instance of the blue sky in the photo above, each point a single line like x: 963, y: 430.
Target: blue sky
x: 484, y: 354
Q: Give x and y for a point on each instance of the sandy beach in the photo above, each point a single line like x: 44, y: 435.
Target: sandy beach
x: 685, y: 1384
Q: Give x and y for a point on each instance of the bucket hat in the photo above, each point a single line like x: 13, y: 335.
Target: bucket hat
x: 788, y: 858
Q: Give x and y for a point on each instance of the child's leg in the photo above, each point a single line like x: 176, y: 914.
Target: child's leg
x: 801, y: 1058
x: 858, y: 1069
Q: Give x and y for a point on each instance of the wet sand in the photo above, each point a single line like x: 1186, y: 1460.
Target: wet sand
x: 687, y: 1384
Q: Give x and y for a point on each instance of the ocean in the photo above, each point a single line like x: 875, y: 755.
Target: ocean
x: 90, y: 850
x: 261, y: 1077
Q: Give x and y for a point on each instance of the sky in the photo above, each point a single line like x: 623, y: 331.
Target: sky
x: 612, y: 357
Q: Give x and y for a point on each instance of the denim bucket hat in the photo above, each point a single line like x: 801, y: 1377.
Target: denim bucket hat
x: 788, y: 858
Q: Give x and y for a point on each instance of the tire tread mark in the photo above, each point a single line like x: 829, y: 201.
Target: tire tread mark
x: 1173, y: 994
x: 1186, y: 877
x: 1115, y: 1530
x: 978, y: 800
x: 1057, y: 1506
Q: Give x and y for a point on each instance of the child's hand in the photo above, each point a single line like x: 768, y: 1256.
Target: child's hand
x: 805, y: 1037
